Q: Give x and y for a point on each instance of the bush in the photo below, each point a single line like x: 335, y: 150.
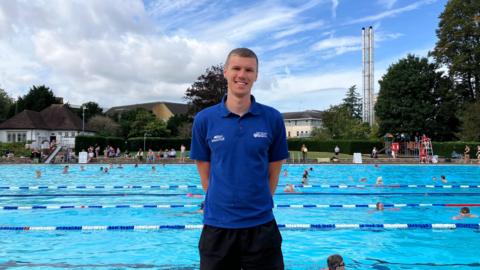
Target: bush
x: 156, y: 143
x: 18, y: 149
x: 346, y: 146
x: 445, y: 149
x: 83, y: 142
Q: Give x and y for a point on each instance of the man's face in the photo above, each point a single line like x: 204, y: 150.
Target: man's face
x: 240, y: 73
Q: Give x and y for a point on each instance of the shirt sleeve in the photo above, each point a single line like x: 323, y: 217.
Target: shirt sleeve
x: 279, y: 147
x: 199, y: 149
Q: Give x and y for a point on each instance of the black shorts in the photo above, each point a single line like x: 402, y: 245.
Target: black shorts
x: 257, y: 247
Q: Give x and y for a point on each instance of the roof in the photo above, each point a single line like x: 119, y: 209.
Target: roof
x: 25, y: 120
x: 175, y: 108
x: 54, y: 117
x: 309, y: 114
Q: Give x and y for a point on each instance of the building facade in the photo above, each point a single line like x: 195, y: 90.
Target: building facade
x: 301, y: 124
x: 55, y: 123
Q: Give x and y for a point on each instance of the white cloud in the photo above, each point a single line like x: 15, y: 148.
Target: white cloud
x: 392, y: 12
x: 298, y: 28
x: 316, y: 90
x: 334, y: 8
x: 334, y: 46
x: 387, y: 3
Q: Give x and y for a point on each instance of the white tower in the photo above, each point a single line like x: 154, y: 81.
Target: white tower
x: 368, y: 71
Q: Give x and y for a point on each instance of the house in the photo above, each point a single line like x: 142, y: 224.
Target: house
x: 162, y: 110
x: 56, y: 122
x: 301, y: 124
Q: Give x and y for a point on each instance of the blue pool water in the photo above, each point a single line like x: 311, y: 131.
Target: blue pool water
x: 177, y: 249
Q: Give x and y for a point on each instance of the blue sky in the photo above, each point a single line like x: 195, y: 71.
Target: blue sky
x: 123, y: 52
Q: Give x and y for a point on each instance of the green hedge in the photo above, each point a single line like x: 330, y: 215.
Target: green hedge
x: 83, y: 142
x: 18, y: 148
x: 156, y: 143
x: 445, y: 149
x: 346, y: 147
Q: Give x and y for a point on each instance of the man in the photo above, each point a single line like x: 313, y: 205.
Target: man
x: 239, y: 146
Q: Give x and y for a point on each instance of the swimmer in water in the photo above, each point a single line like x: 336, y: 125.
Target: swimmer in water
x: 65, y: 169
x: 464, y: 213
x: 38, y: 173
x: 443, y: 178
x: 379, y: 181
x: 191, y: 195
x: 289, y: 188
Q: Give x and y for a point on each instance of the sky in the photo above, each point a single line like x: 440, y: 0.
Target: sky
x: 120, y: 52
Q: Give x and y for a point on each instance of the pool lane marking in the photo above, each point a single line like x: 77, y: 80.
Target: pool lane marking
x: 368, y: 226
x: 339, y: 186
x: 386, y: 205
x: 276, y: 194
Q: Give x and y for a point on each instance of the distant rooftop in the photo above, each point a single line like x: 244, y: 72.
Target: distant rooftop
x: 308, y: 114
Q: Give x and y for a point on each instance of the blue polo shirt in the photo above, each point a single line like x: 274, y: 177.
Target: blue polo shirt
x: 239, y: 150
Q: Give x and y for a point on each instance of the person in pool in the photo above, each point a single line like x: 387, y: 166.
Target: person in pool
x: 289, y: 188
x: 379, y: 206
x: 464, y: 213
x: 335, y: 262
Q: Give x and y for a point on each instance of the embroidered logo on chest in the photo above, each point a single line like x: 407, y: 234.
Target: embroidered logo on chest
x: 218, y: 138
x: 259, y: 134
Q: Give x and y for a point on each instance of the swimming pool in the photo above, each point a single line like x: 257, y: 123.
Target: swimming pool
x: 141, y: 196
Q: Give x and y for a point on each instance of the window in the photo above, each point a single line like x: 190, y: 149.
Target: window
x: 298, y: 133
x: 72, y: 134
x: 289, y: 134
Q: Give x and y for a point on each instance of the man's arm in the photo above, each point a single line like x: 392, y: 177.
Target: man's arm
x: 203, y: 168
x: 273, y: 174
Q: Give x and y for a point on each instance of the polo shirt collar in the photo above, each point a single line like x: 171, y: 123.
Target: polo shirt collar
x: 254, y: 107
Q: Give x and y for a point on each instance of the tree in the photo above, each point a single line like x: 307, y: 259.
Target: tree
x: 208, y: 90
x: 176, y: 122
x: 145, y: 122
x: 338, y: 123
x: 353, y: 102
x: 414, y: 97
x: 470, y: 118
x: 37, y: 99
x: 5, y: 104
x: 458, y: 46
x: 103, y: 126
x: 91, y: 109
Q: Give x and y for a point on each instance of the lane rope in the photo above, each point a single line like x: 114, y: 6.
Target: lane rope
x: 114, y: 187
x: 369, y: 226
x: 276, y: 194
x: 386, y: 205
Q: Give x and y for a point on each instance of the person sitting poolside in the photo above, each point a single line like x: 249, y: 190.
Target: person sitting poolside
x: 464, y: 213
x: 335, y: 262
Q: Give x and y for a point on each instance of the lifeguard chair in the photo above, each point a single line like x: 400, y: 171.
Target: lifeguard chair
x: 425, y: 150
